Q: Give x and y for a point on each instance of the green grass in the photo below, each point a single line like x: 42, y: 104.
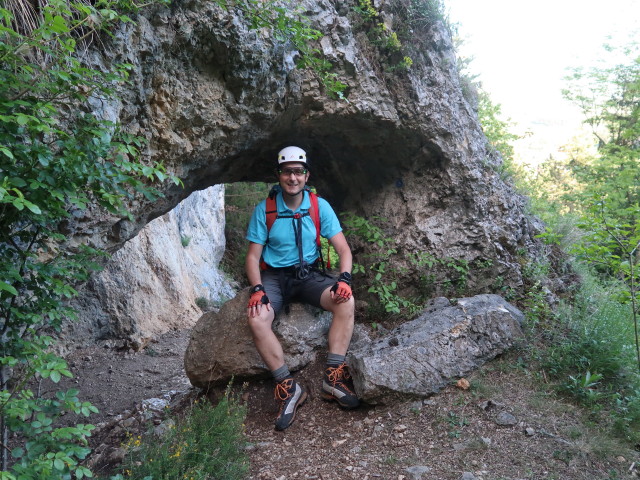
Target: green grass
x: 590, y: 356
x: 599, y: 333
x: 205, y: 443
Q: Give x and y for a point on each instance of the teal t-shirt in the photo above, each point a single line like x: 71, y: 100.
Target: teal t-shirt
x: 281, y: 250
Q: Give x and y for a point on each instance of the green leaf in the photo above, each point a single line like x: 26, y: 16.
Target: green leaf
x: 22, y: 119
x: 55, y: 376
x: 6, y: 152
x: 8, y: 288
x: 59, y: 25
x: 43, y: 160
x: 17, y: 452
x: 34, y: 208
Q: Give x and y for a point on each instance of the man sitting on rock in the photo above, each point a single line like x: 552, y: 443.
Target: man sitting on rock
x: 282, y: 265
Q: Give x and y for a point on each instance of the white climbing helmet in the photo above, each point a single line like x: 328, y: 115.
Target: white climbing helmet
x: 292, y: 154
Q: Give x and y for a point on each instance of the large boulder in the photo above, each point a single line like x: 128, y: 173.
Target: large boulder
x: 221, y: 346
x: 216, y: 99
x: 447, y: 341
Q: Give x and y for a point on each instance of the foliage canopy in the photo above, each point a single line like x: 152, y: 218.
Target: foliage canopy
x: 58, y: 157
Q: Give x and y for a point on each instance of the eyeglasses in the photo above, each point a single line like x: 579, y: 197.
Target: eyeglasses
x: 296, y: 171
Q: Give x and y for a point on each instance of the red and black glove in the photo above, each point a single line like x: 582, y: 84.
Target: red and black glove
x: 258, y: 296
x: 342, y: 287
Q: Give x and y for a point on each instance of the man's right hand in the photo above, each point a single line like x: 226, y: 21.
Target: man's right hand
x: 257, y: 300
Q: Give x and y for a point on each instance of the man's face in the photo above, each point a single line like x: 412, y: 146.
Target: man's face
x: 293, y: 177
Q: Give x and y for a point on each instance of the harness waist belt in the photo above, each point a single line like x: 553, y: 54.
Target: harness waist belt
x: 290, y: 269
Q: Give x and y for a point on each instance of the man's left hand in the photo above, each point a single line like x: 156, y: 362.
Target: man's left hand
x: 341, y: 292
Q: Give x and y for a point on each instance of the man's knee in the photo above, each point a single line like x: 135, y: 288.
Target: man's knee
x: 350, y: 305
x: 262, y: 321
x: 345, y: 309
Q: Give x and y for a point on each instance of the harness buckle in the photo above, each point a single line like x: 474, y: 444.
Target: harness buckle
x: 302, y: 271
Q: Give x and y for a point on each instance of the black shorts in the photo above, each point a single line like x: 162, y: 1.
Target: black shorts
x: 308, y: 290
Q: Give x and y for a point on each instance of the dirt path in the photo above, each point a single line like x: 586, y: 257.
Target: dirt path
x: 500, y: 429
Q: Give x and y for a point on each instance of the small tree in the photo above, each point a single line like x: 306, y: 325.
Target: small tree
x: 495, y: 128
x: 612, y: 246
x: 610, y: 101
x: 609, y: 183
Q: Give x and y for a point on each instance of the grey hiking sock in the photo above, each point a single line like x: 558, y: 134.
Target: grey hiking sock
x: 281, y: 373
x: 335, y: 360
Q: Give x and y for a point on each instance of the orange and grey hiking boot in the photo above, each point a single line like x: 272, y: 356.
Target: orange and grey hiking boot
x: 337, y: 385
x: 290, y: 395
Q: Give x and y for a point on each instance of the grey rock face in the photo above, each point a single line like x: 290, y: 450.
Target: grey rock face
x: 445, y: 342
x: 217, y: 100
x: 151, y: 285
x: 200, y: 220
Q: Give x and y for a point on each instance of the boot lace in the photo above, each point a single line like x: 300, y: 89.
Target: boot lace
x: 338, y: 375
x: 283, y: 389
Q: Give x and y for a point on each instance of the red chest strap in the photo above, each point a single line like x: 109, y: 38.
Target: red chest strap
x: 271, y: 211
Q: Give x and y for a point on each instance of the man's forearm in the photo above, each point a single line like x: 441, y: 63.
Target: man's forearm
x: 252, y: 268
x: 254, y: 278
x: 252, y: 264
x: 346, y: 264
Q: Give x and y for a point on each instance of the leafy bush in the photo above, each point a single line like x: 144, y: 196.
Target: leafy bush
x: 374, y: 265
x: 591, y: 358
x: 383, y: 37
x: 56, y: 158
x: 207, y: 442
x: 374, y: 255
x: 423, y: 13
x: 366, y: 10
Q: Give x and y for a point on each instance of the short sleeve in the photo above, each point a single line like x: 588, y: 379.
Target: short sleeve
x: 257, y: 230
x: 329, y: 223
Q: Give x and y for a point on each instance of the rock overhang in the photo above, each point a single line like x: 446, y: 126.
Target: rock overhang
x: 217, y: 101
